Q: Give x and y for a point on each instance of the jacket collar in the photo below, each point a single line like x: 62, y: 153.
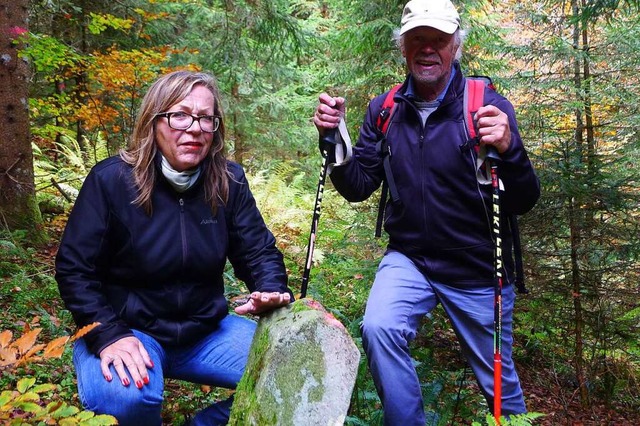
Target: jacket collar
x: 160, y: 178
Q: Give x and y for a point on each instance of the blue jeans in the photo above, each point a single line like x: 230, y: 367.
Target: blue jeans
x: 401, y: 295
x: 218, y: 359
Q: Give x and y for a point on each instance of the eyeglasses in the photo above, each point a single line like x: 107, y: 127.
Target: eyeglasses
x: 179, y: 120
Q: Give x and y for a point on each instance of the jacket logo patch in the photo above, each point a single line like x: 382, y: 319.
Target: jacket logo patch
x: 209, y: 221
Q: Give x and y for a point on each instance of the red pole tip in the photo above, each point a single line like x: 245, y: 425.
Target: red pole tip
x: 497, y: 387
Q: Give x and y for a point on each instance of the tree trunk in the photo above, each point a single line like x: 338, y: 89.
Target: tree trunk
x: 577, y: 218
x: 238, y: 132
x: 18, y: 206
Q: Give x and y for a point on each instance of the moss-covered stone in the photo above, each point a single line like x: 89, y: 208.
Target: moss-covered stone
x: 301, y: 370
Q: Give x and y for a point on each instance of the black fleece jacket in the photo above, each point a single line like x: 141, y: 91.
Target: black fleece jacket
x: 443, y: 221
x: 161, y: 274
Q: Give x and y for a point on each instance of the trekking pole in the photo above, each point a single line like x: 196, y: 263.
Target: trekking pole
x: 492, y: 156
x: 329, y: 137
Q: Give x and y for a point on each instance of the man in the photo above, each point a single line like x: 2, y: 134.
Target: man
x: 440, y: 241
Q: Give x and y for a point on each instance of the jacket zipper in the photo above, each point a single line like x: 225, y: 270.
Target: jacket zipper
x: 183, y: 232
x: 423, y: 173
x: 183, y: 236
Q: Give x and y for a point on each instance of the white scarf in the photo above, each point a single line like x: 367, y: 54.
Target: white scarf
x: 181, y: 181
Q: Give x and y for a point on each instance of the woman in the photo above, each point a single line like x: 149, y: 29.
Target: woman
x: 144, y: 253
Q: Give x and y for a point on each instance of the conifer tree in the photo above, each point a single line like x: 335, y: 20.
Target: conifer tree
x: 18, y: 207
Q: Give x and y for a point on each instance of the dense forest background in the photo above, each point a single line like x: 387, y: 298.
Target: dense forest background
x: 72, y: 73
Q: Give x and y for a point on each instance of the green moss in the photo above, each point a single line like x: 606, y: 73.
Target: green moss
x: 293, y: 375
x: 245, y: 400
x: 287, y: 376
x: 307, y: 363
x: 299, y: 306
x: 23, y: 213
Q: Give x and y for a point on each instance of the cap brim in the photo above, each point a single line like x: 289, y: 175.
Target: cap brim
x: 444, y: 26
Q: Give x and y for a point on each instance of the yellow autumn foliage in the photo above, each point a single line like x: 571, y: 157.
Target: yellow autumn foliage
x: 26, y: 404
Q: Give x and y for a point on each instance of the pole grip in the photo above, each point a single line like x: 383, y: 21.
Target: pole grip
x: 492, y: 153
x: 328, y: 138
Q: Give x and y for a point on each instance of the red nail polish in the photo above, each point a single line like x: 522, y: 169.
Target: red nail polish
x: 108, y: 378
x: 152, y: 364
x: 126, y: 381
x: 146, y: 380
x: 139, y: 384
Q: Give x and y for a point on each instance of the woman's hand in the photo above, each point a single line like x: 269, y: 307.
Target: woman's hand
x: 126, y: 354
x: 262, y: 302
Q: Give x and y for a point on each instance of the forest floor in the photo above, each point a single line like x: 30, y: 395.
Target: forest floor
x: 561, y: 404
x: 544, y: 391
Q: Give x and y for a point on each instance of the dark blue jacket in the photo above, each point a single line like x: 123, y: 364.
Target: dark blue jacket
x: 161, y: 274
x: 443, y: 219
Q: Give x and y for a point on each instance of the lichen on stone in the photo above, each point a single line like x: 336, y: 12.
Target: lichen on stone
x: 301, y: 369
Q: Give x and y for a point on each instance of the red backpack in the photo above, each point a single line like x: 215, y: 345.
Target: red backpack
x: 473, y: 99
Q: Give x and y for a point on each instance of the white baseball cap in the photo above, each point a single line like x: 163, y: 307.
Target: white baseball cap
x: 439, y: 14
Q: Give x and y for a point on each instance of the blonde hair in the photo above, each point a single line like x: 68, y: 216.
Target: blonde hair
x: 142, y: 150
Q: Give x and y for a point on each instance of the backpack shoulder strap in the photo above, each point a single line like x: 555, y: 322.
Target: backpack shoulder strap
x: 472, y: 101
x: 388, y: 108
x: 384, y: 150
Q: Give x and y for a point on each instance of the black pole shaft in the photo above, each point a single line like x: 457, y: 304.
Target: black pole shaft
x: 327, y: 138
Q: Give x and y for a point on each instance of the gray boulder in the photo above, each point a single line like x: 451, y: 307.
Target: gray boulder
x: 301, y: 370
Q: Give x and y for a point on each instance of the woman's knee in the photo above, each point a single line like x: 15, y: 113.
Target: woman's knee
x: 128, y: 404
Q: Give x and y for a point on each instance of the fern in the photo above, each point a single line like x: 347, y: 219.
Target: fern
x: 525, y: 419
